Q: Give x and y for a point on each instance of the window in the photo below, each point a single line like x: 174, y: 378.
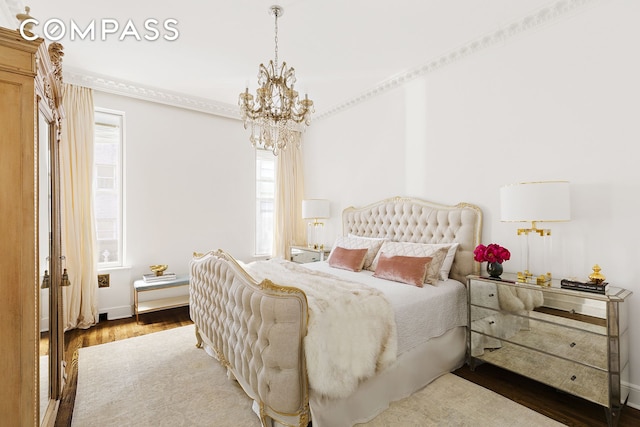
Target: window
x: 105, y: 177
x: 107, y: 187
x: 265, y: 193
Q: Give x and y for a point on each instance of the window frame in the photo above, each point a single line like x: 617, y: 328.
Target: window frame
x: 118, y: 119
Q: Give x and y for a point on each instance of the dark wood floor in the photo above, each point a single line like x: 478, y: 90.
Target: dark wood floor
x: 562, y: 407
x: 565, y: 408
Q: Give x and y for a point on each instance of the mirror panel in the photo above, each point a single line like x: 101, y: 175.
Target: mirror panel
x: 44, y: 232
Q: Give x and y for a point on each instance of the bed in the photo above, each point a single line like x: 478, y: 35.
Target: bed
x: 301, y: 359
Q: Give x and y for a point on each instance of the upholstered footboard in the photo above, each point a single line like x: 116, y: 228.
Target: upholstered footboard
x: 256, y: 330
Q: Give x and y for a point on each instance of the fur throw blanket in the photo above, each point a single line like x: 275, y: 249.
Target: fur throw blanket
x: 351, y: 331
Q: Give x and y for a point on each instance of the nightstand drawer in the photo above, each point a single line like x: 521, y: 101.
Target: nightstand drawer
x: 589, y: 383
x: 303, y: 257
x: 545, y: 333
x: 485, y: 295
x: 566, y: 338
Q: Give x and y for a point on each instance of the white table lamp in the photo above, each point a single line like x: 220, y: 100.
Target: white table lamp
x: 546, y: 201
x: 315, y: 209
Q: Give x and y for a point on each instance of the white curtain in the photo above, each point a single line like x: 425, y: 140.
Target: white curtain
x: 80, y: 306
x: 289, y: 228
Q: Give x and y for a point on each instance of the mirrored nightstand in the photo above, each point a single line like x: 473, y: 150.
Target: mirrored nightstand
x: 305, y: 254
x: 575, y: 341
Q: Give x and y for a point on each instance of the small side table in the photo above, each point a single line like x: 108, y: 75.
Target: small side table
x: 305, y: 254
x: 159, y: 304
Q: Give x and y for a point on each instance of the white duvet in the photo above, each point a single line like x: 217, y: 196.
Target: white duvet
x: 420, y: 313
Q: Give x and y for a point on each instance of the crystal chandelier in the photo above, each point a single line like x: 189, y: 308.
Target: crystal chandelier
x: 276, y: 117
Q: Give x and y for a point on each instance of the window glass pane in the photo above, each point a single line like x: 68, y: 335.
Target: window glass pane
x: 265, y: 190
x: 106, y: 177
x: 108, y: 194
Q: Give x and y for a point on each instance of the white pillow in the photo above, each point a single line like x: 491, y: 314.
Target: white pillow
x: 354, y: 242
x: 420, y: 250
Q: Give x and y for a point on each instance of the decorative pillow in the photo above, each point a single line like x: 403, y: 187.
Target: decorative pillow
x: 404, y: 269
x: 418, y: 250
x: 448, y: 261
x: 371, y: 245
x: 348, y: 259
x: 433, y: 272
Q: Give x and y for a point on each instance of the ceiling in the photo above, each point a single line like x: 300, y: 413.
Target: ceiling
x: 339, y: 49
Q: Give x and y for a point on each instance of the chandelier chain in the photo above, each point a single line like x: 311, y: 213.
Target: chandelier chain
x: 276, y: 40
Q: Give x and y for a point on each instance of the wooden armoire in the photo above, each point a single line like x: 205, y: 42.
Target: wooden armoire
x: 31, y: 336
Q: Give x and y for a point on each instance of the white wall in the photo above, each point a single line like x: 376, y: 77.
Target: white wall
x: 189, y: 181
x: 7, y: 17
x: 557, y: 102
x: 353, y: 158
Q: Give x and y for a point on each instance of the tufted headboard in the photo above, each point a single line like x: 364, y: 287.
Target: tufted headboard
x: 418, y: 221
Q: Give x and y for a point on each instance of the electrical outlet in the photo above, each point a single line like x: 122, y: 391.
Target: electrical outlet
x: 103, y: 280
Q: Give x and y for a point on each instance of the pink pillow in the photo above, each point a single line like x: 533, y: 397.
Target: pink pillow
x: 404, y: 269
x: 348, y: 259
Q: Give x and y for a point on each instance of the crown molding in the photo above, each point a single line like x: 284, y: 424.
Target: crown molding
x: 555, y: 11
x: 134, y: 90
x: 546, y: 15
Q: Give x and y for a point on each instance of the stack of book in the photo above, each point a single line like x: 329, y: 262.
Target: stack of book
x: 598, y: 288
x: 152, y: 278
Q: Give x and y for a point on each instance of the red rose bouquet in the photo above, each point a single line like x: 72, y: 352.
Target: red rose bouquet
x: 491, y: 253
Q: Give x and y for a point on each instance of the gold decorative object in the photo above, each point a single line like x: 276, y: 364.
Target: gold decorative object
x: 158, y: 269
x: 524, y: 276
x: 544, y: 279
x: 276, y: 116
x: 596, y: 277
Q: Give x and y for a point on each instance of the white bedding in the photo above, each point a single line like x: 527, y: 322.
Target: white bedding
x: 351, y: 334
x: 420, y: 313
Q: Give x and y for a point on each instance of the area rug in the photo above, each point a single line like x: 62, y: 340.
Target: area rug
x: 162, y: 379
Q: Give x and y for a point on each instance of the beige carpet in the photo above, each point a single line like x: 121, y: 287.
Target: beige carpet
x: 162, y: 379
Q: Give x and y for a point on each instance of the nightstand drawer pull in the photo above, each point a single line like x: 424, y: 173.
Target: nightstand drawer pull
x: 492, y: 295
x: 492, y: 322
x: 572, y: 344
x: 573, y: 377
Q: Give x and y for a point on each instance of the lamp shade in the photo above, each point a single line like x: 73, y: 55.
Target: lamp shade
x: 546, y: 201
x: 315, y: 208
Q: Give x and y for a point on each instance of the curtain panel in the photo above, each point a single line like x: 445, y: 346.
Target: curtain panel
x: 80, y: 307
x: 289, y: 228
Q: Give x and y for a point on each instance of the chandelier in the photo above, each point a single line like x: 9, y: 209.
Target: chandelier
x: 276, y: 116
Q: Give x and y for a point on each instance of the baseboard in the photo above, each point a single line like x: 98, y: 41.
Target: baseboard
x: 114, y: 313
x: 634, y: 395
